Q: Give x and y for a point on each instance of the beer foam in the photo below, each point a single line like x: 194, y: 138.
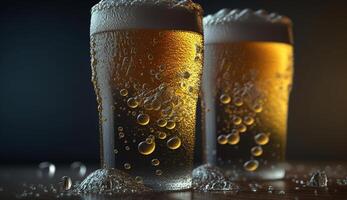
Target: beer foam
x: 247, y: 25
x: 110, y: 15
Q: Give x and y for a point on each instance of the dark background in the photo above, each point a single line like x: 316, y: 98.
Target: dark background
x: 47, y: 103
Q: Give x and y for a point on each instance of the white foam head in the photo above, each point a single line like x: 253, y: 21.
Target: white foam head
x: 247, y: 25
x: 110, y: 15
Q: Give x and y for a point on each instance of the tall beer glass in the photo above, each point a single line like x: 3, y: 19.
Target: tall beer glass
x: 147, y: 62
x: 247, y: 79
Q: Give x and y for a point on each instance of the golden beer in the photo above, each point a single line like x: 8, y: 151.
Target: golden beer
x: 246, y: 86
x: 147, y: 82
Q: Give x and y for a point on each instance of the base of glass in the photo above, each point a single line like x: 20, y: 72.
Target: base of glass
x: 270, y: 173
x: 181, y: 184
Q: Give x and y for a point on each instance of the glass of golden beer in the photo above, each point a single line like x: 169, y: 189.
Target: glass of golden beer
x: 147, y: 63
x: 246, y: 83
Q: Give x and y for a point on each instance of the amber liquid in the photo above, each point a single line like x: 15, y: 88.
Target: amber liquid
x: 147, y: 84
x: 246, y: 87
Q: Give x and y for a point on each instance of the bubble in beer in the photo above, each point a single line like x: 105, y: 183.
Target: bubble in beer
x: 170, y: 125
x: 233, y: 138
x: 143, y: 119
x: 251, y: 165
x: 237, y: 120
x: 162, y: 135
x: 155, y: 162
x: 148, y: 105
x: 242, y: 128
x: 261, y: 139
x: 222, y: 139
x: 132, y: 102
x: 238, y: 102
x: 124, y: 92
x: 115, y: 151
x: 138, y: 179
x: 66, y: 182
x: 257, y: 151
x: 174, y: 143
x: 150, y: 57
x: 162, y: 122
x: 127, y: 148
x: 145, y: 148
x: 248, y: 120
x: 158, y: 172
x: 149, y: 140
x: 120, y: 129
x: 186, y: 75
x: 121, y: 135
x: 127, y: 166
x: 225, y: 99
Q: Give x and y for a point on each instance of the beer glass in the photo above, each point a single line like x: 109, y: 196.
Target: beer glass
x: 146, y: 69
x: 247, y: 79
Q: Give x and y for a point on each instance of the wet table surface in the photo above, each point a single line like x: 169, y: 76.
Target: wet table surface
x: 17, y: 180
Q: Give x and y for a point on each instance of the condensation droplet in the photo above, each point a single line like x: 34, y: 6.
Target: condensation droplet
x: 162, y: 122
x: 261, y: 139
x: 158, y: 172
x: 127, y: 166
x: 123, y: 92
x: 155, y: 162
x: 251, y: 165
x: 174, y: 143
x: 145, y: 148
x: 170, y: 125
x: 257, y: 151
x: 222, y: 139
x: 248, y: 120
x: 225, y: 99
x: 132, y: 103
x: 143, y: 119
x: 233, y: 138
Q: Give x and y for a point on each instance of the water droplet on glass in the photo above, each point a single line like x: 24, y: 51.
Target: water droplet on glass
x: 123, y: 92
x: 143, y: 119
x: 222, y: 139
x: 145, y: 148
x: 46, y: 169
x: 261, y: 139
x: 170, y: 125
x: 257, y: 151
x: 66, y: 182
x: 79, y: 168
x: 233, y: 138
x: 158, y: 172
x: 132, y: 103
x: 174, y: 143
x: 127, y: 166
x: 155, y: 162
x: 251, y: 165
x: 162, y: 122
x: 225, y: 99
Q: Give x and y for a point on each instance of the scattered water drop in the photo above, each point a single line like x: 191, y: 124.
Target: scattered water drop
x: 66, y: 182
x: 257, y: 151
x: 46, y: 169
x: 132, y: 103
x: 222, y: 139
x: 251, y: 165
x: 261, y: 139
x: 225, y: 99
x: 123, y: 92
x: 143, y: 119
x: 145, y: 148
x: 233, y: 138
x: 79, y: 168
x: 155, y: 162
x: 174, y: 143
x: 127, y: 166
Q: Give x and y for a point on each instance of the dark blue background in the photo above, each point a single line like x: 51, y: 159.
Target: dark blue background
x: 47, y: 103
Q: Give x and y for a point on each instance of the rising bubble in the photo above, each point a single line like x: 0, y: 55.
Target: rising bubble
x: 143, y: 119
x: 145, y: 148
x: 170, y: 125
x: 261, y: 139
x: 248, y: 120
x: 127, y: 166
x: 158, y: 172
x: 237, y: 120
x: 174, y: 143
x: 222, y: 139
x: 123, y: 92
x: 155, y: 162
x: 225, y: 99
x: 233, y: 138
x: 132, y: 103
x: 251, y: 165
x: 162, y: 122
x: 162, y: 135
x: 257, y: 151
